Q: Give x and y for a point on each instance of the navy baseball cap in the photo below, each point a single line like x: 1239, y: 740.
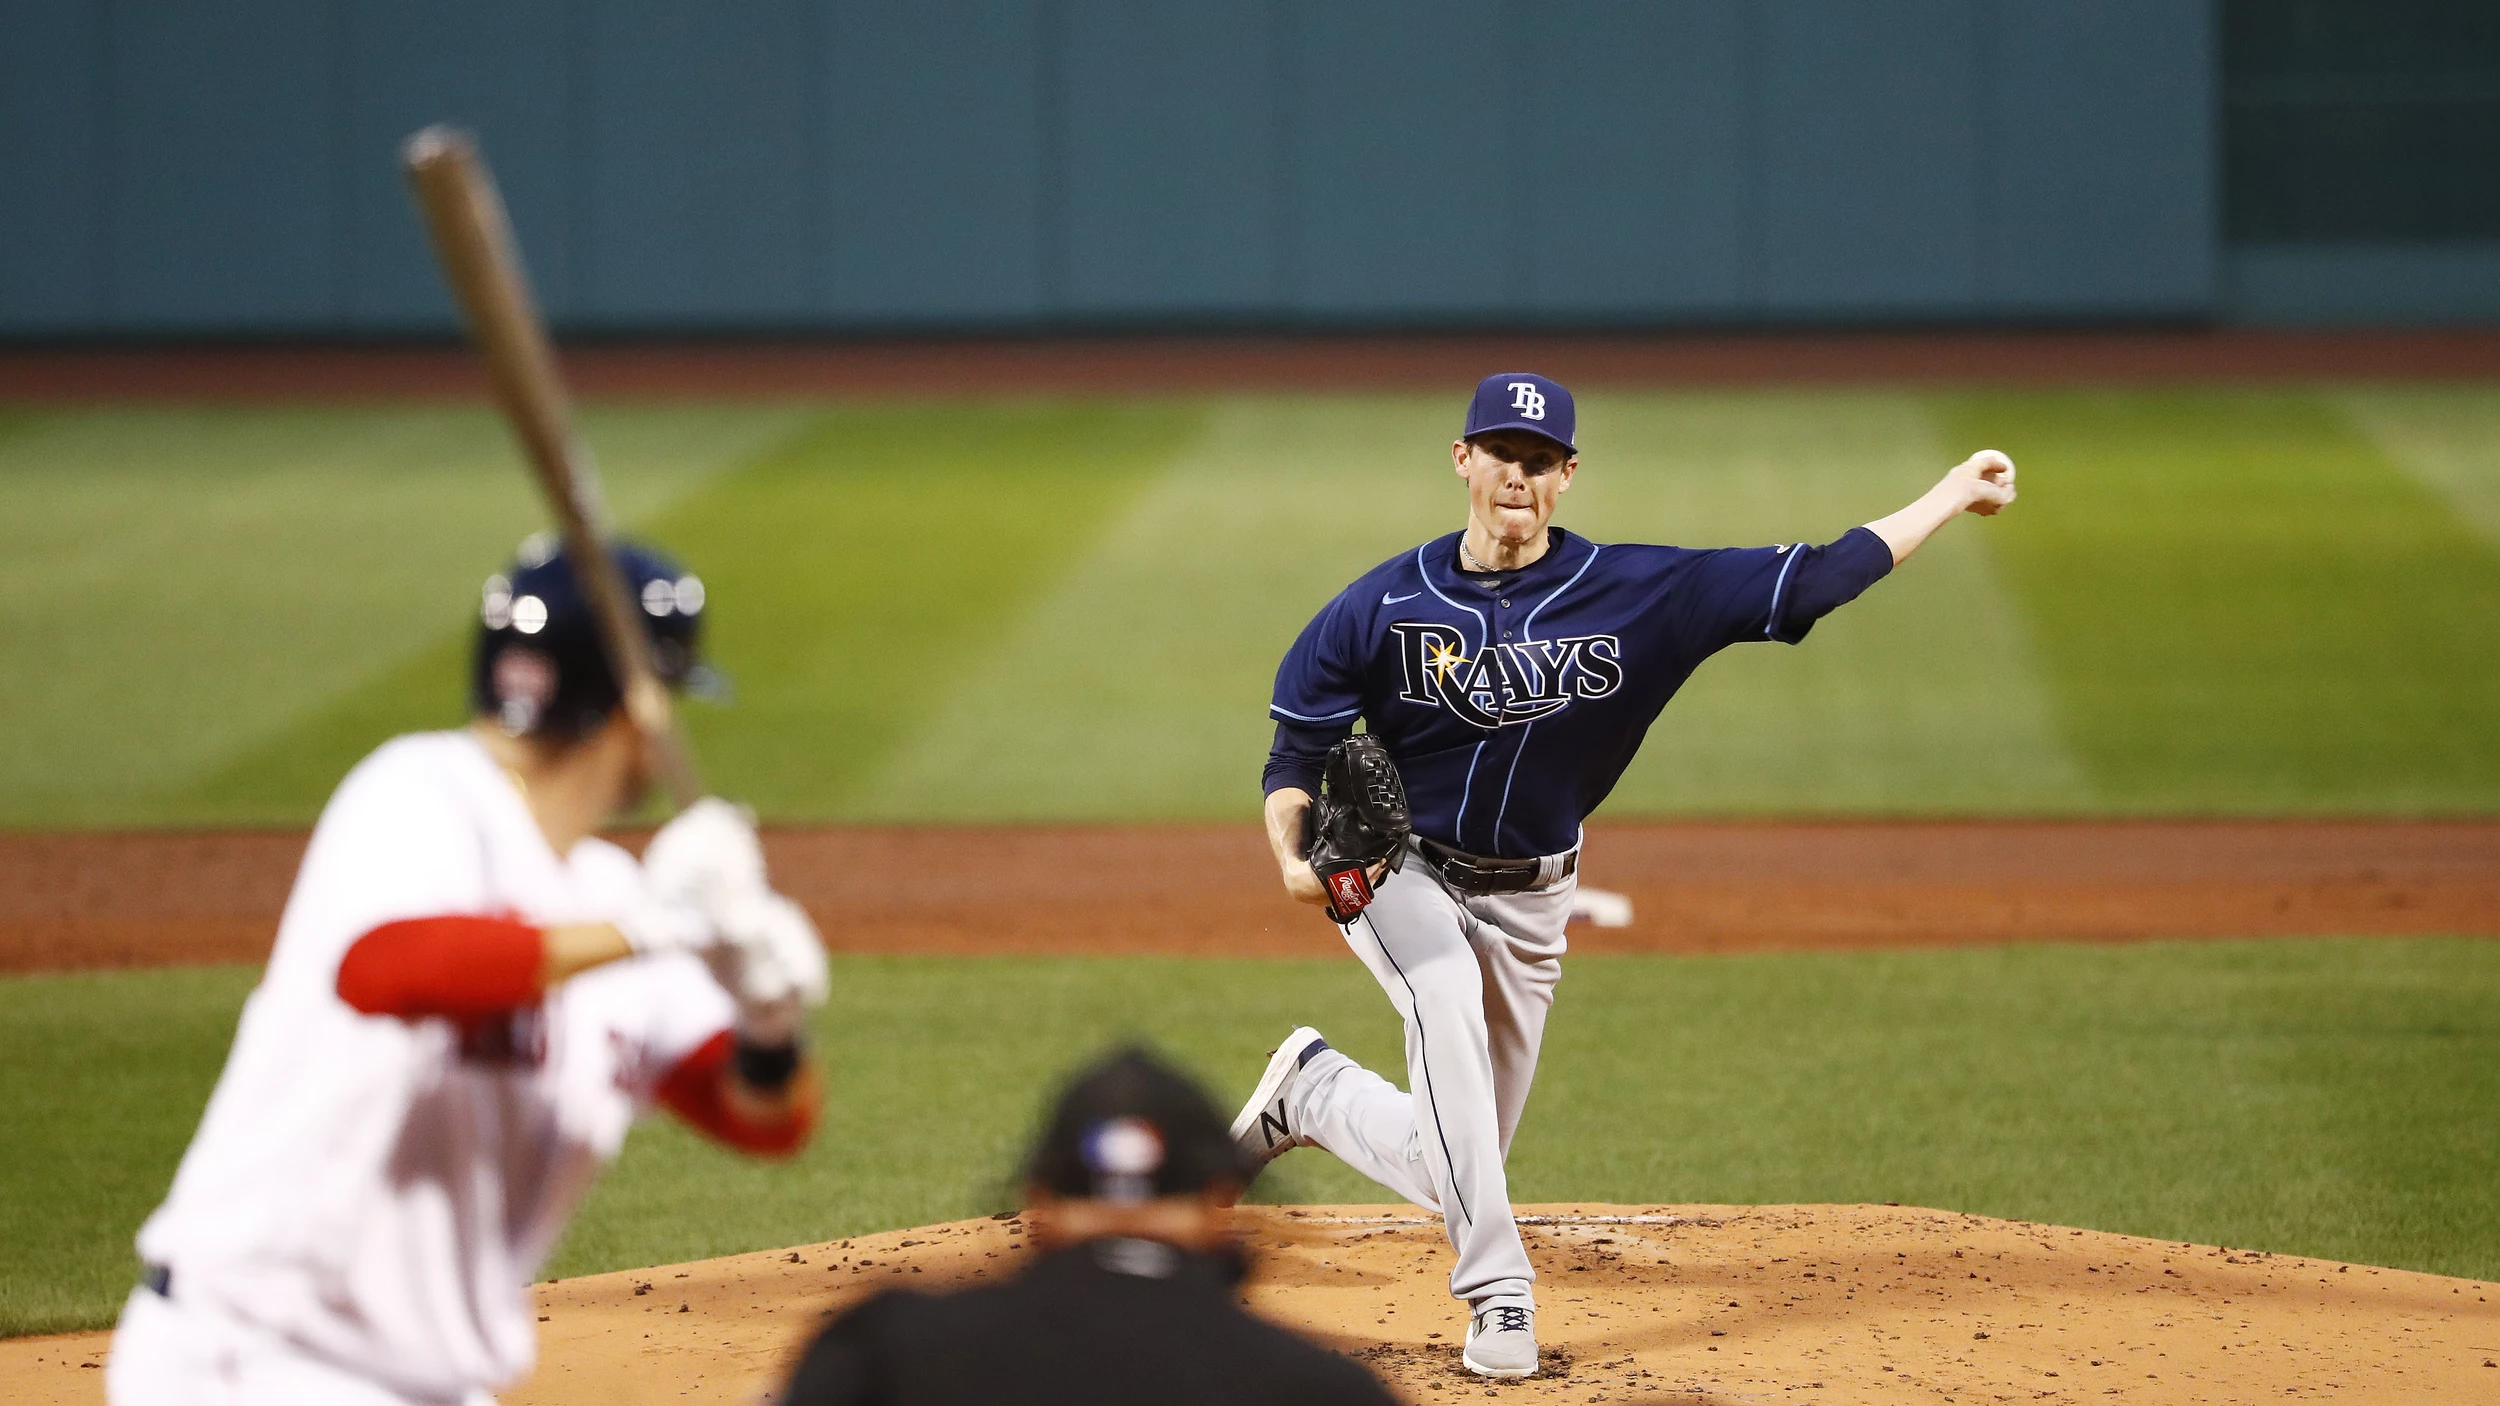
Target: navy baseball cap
x: 1521, y: 400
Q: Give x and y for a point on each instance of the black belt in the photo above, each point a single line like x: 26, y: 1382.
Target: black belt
x: 1478, y: 877
x: 157, y: 1278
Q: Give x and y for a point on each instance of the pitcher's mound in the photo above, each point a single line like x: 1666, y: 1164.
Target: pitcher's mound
x: 1650, y: 1303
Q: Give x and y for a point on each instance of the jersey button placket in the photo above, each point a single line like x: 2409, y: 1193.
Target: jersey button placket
x: 1506, y: 633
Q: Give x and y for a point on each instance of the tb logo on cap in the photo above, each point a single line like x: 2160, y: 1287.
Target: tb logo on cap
x: 1521, y: 400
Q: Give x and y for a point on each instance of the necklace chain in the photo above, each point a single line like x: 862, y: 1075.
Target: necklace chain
x: 1471, y: 557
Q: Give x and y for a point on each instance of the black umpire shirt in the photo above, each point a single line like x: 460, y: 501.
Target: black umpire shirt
x: 1104, y: 1323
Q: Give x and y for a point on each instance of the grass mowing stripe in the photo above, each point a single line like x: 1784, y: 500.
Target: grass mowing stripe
x: 1148, y: 667
x: 197, y: 583
x: 650, y: 459
x: 2244, y: 606
x: 228, y: 606
x: 861, y: 573
x: 2447, y: 437
x: 1926, y: 694
x: 185, y: 574
x: 2314, y: 1097
x: 861, y: 555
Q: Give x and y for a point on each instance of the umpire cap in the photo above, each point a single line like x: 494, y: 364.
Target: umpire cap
x: 1131, y: 1127
x: 539, y: 669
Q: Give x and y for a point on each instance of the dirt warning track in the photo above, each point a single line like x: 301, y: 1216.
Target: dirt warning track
x: 1159, y: 363
x: 147, y: 899
x: 1668, y: 1304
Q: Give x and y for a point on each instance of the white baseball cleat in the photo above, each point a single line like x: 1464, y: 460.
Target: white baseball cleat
x: 1501, y: 1341
x: 1265, y: 1128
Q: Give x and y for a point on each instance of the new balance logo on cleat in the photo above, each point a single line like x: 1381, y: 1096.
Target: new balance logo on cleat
x: 1272, y: 1127
x: 1264, y: 1131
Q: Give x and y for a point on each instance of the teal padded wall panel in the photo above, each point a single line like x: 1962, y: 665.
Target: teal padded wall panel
x: 1404, y: 159
x: 699, y: 186
x: 504, y: 69
x: 224, y: 186
x: 932, y: 141
x: 1169, y: 159
x: 1869, y: 159
x: 179, y: 168
x: 52, y: 148
x: 1639, y: 144
x: 2102, y: 157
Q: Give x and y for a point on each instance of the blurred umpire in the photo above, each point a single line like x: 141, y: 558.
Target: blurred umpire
x: 1132, y: 1298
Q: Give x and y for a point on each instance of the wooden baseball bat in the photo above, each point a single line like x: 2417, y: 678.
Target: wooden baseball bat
x: 473, y: 240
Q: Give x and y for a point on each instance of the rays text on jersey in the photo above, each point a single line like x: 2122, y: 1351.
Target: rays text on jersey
x: 1505, y: 683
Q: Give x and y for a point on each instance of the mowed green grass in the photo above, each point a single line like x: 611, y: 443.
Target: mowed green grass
x: 2235, y: 586
x: 2209, y: 599
x: 2329, y: 1098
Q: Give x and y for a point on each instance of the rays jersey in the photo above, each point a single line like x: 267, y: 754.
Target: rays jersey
x: 379, y: 1192
x: 1512, y: 701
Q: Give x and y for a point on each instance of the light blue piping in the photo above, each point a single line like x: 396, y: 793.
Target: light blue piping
x: 1770, y: 630
x: 1528, y: 627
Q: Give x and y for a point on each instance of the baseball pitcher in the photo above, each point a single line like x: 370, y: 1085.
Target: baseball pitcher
x: 1509, y: 672
x: 470, y: 1000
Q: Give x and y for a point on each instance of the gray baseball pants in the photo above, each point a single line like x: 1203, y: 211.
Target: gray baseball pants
x: 1472, y: 978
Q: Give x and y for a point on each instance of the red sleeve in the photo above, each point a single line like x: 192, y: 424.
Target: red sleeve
x: 459, y: 967
x: 693, y: 1092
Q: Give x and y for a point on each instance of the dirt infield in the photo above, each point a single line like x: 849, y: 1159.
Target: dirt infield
x: 741, y: 369
x: 1667, y: 1304
x: 148, y: 899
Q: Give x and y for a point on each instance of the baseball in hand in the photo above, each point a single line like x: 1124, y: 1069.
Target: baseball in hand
x: 1987, y: 478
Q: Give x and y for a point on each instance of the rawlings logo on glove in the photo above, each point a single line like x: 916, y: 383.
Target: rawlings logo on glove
x: 1359, y: 823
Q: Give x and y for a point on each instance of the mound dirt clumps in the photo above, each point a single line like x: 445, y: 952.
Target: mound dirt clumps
x: 1686, y: 1304
x: 1649, y: 1303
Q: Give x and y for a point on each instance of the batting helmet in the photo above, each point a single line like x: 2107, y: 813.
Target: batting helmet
x: 539, y: 669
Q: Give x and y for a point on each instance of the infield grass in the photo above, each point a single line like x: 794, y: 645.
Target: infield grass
x: 2330, y: 1098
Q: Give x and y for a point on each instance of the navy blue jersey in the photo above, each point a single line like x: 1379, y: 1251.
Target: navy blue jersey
x: 1512, y: 701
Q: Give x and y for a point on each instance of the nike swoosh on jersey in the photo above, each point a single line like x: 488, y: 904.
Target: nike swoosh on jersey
x: 1387, y: 599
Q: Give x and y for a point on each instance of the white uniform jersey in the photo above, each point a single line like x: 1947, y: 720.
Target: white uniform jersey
x: 380, y: 1192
